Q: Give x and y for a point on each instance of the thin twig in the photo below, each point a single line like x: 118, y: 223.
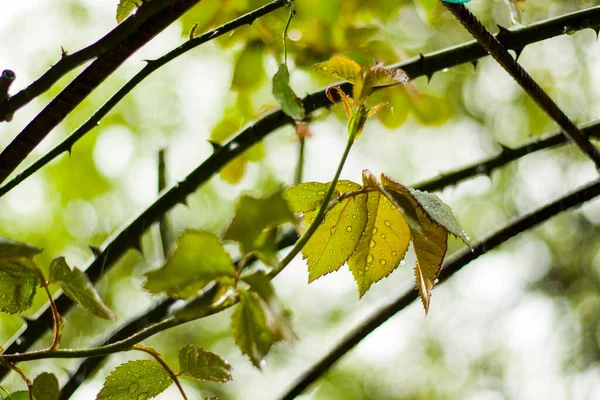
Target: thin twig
x: 12, y: 366
x: 422, y: 66
x: 285, y: 32
x: 452, y: 266
x: 300, y: 163
x: 162, y: 362
x: 163, y: 224
x: 506, y: 60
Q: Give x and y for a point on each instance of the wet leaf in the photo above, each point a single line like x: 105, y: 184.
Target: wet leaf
x: 285, y: 96
x: 336, y: 237
x: 141, y: 379
x: 18, y: 282
x: 383, y: 244
x: 199, y: 364
x: 198, y: 258
x: 79, y: 288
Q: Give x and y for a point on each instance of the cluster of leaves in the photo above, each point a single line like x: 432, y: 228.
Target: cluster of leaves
x: 371, y: 226
x: 200, y: 261
x: 144, y: 379
x: 20, y: 276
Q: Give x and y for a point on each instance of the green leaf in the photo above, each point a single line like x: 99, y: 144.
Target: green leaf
x: 285, y: 96
x: 199, y: 364
x: 198, y: 258
x: 10, y: 249
x: 251, y: 329
x: 307, y: 196
x: 79, y: 288
x: 19, y: 395
x: 141, y: 379
x: 383, y: 243
x: 125, y: 8
x: 252, y: 223
x: 45, y: 387
x: 249, y: 69
x: 234, y: 171
x: 279, y: 318
x: 18, y: 282
x: 341, y: 67
x: 337, y: 236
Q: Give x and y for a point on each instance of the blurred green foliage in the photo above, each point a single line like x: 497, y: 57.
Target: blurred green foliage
x: 530, y: 315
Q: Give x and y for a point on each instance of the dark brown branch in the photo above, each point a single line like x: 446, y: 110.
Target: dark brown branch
x: 501, y: 54
x: 92, y: 122
x: 127, y: 237
x: 85, y: 83
x: 452, y: 266
x: 68, y: 62
x: 423, y: 66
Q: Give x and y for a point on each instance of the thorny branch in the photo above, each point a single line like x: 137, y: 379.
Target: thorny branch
x: 423, y: 66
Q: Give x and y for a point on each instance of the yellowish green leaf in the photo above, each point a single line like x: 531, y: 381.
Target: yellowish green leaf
x: 198, y: 258
x: 341, y: 67
x: 383, y: 244
x: 307, y: 196
x: 336, y: 237
x: 126, y: 7
x: 234, y: 171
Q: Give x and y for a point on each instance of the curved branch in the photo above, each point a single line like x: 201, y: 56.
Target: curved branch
x: 526, y: 81
x: 486, y: 167
x: 422, y: 66
x: 86, y: 82
x: 455, y: 264
x: 69, y: 62
x: 93, y: 121
x: 118, y: 243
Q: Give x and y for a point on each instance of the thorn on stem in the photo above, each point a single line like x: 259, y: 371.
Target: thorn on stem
x: 215, y: 146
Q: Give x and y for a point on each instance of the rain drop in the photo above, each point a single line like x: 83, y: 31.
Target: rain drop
x: 387, y: 223
x: 349, y: 228
x: 309, y: 196
x: 305, y: 187
x: 321, y: 193
x: 394, y: 253
x: 374, y: 231
x: 142, y: 396
x: 332, y: 230
x: 372, y: 244
x: 369, y: 259
x: 382, y: 236
x: 134, y: 388
x: 382, y: 261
